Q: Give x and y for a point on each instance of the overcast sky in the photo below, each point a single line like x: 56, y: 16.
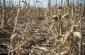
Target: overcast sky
x: 43, y: 3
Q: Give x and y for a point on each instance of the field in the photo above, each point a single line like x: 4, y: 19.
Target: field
x: 32, y: 30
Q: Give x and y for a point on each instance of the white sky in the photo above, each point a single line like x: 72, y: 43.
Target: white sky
x: 43, y: 2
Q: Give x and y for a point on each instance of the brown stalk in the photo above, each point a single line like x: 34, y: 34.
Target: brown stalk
x: 16, y: 20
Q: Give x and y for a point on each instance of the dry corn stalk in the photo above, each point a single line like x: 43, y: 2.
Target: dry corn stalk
x: 15, y: 23
x: 70, y: 39
x: 16, y: 20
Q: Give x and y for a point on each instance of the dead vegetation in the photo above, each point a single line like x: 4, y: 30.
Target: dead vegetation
x: 34, y: 30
